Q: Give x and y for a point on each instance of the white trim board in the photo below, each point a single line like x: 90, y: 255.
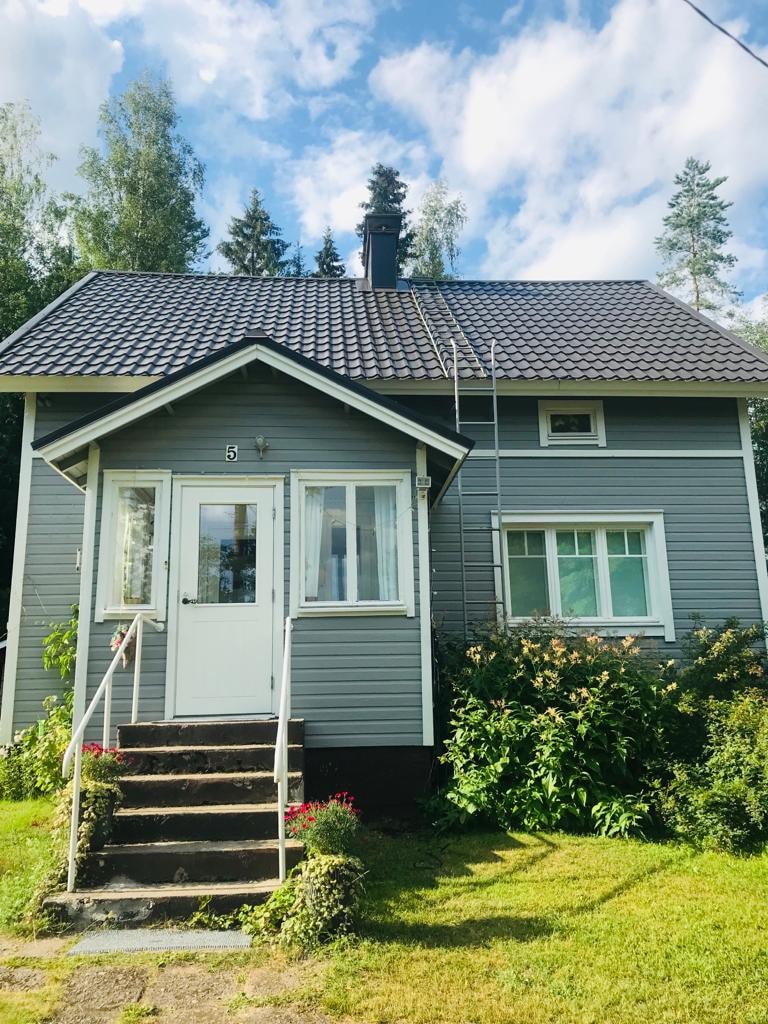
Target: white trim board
x: 188, y: 384
x: 608, y: 453
x: 661, y: 625
x: 17, y: 573
x: 425, y: 604
x: 581, y: 388
x: 754, y: 507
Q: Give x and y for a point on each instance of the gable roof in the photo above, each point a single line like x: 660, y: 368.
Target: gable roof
x: 149, y: 325
x: 71, y: 438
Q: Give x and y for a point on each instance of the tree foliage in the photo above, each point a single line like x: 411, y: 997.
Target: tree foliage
x: 692, y: 244
x: 387, y: 193
x: 255, y: 246
x: 297, y: 265
x: 327, y: 259
x: 139, y: 209
x: 436, y: 237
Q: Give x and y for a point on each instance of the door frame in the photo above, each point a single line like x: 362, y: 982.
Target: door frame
x: 277, y: 483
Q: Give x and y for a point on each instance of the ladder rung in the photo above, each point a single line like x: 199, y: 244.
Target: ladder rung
x: 478, y: 494
x: 483, y: 600
x: 475, y: 391
x: 477, y: 423
x: 483, y: 565
x: 478, y: 529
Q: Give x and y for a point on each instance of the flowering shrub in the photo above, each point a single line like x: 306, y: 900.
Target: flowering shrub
x: 555, y: 730
x: 325, y: 827
x: 102, y: 764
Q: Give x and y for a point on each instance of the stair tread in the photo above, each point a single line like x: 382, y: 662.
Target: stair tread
x: 142, y: 892
x: 197, y: 846
x: 177, y: 748
x: 125, y: 812
x: 208, y: 776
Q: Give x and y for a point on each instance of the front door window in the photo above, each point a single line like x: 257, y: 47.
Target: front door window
x: 227, y: 554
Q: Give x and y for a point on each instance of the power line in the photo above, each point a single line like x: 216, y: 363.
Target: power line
x: 725, y: 32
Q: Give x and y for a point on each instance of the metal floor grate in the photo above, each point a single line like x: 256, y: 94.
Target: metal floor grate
x: 160, y: 940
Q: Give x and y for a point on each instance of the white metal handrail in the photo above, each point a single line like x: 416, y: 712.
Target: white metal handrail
x: 75, y: 747
x: 281, y: 747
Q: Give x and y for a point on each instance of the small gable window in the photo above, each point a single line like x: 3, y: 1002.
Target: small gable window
x: 571, y: 423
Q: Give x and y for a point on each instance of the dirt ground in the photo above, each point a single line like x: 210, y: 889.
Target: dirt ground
x: 260, y: 987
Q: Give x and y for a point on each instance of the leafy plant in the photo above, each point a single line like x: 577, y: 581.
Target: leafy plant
x: 32, y: 766
x: 325, y: 827
x: 60, y: 646
x: 554, y: 730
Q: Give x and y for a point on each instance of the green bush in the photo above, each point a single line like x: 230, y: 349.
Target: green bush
x: 60, y: 646
x: 330, y: 826
x: 721, y: 802
x: 554, y: 730
x: 318, y: 903
x: 32, y: 765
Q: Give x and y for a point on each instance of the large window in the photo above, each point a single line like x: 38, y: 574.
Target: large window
x: 601, y: 569
x: 134, y: 543
x: 354, y: 542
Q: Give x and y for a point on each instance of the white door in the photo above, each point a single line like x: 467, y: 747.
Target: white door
x: 224, y: 611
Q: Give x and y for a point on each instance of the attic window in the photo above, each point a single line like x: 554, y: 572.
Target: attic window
x: 571, y: 423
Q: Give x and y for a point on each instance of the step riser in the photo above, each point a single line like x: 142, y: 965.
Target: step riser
x: 193, y: 761
x: 167, y: 791
x: 154, y: 828
x: 132, y: 913
x: 156, y: 867
x: 188, y: 734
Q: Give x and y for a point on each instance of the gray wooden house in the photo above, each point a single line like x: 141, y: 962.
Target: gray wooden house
x: 373, y: 459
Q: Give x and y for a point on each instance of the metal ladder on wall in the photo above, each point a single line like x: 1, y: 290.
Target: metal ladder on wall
x: 452, y: 333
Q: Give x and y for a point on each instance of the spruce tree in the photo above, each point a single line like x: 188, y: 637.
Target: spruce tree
x: 255, y: 246
x: 387, y: 193
x: 297, y: 265
x: 327, y: 259
x: 692, y: 245
x: 139, y: 209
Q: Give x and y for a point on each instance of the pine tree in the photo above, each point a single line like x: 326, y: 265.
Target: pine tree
x: 387, y: 193
x: 692, y: 245
x: 139, y: 210
x: 297, y: 265
x: 327, y: 259
x: 435, y: 245
x: 255, y: 246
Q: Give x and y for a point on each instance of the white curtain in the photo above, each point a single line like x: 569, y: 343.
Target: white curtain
x: 385, y: 506
x: 313, y: 529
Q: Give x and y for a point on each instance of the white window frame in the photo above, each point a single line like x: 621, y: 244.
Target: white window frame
x: 401, y: 480
x: 659, y: 622
x: 596, y: 436
x: 113, y: 480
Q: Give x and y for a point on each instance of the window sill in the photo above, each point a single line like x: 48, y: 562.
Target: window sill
x: 313, y: 611
x: 129, y: 614
x: 610, y: 627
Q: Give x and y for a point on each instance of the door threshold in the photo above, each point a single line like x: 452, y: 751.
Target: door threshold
x: 265, y: 716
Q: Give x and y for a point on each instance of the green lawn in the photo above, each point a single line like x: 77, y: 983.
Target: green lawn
x: 24, y: 855
x: 490, y: 928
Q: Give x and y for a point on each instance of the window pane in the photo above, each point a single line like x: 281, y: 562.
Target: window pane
x: 635, y: 542
x: 528, y: 590
x: 535, y: 542
x: 376, y: 517
x: 135, y: 546
x: 578, y: 592
x: 615, y: 539
x: 628, y: 585
x: 325, y: 544
x: 566, y: 542
x: 226, y: 566
x: 570, y: 423
x: 584, y: 538
x: 516, y: 542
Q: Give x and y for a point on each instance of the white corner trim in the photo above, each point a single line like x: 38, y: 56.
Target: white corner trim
x: 399, y: 478
x: 596, y: 414
x: 662, y: 622
x: 557, y: 452
x: 753, y: 501
x: 425, y: 605
x: 85, y: 600
x: 113, y: 478
x: 17, y: 573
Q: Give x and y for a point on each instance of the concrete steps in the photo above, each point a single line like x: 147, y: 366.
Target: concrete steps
x: 198, y: 819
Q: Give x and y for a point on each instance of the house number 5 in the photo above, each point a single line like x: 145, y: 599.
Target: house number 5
x: 231, y: 453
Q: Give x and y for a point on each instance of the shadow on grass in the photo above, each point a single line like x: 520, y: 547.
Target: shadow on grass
x: 468, y: 933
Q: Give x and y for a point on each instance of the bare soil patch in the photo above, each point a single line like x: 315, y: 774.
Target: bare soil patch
x: 21, y: 979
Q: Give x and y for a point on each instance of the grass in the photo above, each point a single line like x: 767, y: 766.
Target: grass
x: 492, y: 929
x: 25, y: 856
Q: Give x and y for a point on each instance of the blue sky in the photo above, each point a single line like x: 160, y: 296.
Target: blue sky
x: 561, y: 122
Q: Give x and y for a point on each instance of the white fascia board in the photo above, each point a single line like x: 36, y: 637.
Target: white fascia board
x: 195, y: 381
x: 583, y: 389
x: 90, y: 383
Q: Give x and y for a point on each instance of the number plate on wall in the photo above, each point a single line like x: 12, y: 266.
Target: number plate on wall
x: 230, y: 454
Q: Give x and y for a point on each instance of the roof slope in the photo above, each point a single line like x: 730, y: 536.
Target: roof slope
x: 154, y: 324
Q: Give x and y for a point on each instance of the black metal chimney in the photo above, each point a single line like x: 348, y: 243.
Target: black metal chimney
x: 381, y: 233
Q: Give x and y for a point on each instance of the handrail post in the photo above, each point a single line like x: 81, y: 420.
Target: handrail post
x: 105, y: 732
x: 281, y: 748
x: 75, y: 820
x: 137, y: 671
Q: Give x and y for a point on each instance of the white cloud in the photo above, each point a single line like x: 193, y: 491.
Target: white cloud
x: 328, y: 183
x: 54, y: 57
x: 584, y: 128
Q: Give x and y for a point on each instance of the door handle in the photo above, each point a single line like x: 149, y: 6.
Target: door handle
x: 189, y: 600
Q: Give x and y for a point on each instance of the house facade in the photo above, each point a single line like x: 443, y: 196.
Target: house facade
x: 376, y: 459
